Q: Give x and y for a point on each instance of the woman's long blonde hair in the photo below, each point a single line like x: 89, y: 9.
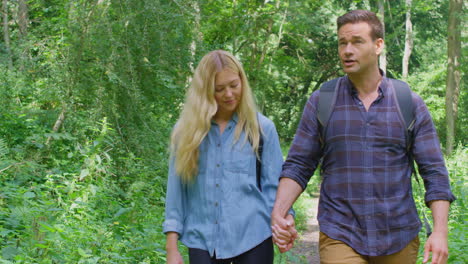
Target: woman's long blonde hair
x: 200, y: 107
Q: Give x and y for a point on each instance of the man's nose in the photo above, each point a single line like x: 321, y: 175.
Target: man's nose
x: 348, y: 49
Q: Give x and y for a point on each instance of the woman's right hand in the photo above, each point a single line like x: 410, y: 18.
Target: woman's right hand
x: 174, y: 257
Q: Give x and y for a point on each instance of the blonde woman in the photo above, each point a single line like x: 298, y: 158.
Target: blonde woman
x: 216, y: 205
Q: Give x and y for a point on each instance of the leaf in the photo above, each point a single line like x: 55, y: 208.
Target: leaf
x: 41, y: 246
x: 121, y: 211
x: 29, y: 195
x: 47, y: 227
x: 9, y: 252
x: 83, y: 174
x: 83, y: 253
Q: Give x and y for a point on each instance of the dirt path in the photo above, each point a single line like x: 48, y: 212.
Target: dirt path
x: 306, y: 247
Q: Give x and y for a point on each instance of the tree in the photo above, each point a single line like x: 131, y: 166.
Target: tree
x: 453, y: 71
x: 408, y: 40
x: 23, y: 19
x: 6, y: 33
x: 383, y: 55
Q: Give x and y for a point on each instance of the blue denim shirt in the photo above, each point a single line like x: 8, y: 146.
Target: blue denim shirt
x: 223, y: 210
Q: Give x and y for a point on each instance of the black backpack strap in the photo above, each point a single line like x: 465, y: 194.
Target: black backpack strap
x: 405, y: 102
x: 326, y: 103
x: 406, y: 110
x: 259, y: 157
x: 259, y: 163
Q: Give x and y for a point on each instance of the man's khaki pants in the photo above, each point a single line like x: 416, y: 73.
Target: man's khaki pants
x: 337, y: 252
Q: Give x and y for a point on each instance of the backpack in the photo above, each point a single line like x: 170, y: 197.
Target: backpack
x: 405, y: 107
x: 326, y: 104
x: 259, y: 162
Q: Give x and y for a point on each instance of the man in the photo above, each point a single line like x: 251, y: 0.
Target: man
x: 366, y: 211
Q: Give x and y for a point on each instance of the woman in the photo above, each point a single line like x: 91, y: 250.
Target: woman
x: 215, y: 204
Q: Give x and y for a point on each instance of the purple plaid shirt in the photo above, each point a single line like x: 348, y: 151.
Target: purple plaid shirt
x: 366, y: 198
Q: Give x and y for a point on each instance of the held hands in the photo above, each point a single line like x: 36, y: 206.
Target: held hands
x: 437, y: 244
x: 284, y: 232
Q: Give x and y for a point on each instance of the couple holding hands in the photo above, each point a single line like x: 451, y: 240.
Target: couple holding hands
x: 230, y: 196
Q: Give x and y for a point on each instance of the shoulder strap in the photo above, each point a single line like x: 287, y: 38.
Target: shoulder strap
x: 405, y: 102
x: 259, y: 163
x: 326, y: 101
x: 259, y: 157
x: 406, y: 109
x: 326, y: 104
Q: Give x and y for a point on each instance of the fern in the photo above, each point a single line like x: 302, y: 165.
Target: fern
x: 3, y: 149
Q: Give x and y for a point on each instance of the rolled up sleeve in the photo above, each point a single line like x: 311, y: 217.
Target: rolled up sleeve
x: 428, y: 156
x: 175, y: 208
x: 305, y: 151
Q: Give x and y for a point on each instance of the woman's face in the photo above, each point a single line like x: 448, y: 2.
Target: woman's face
x: 228, y: 91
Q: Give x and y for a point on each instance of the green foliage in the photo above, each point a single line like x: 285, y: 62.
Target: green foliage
x: 91, y: 190
x: 458, y: 218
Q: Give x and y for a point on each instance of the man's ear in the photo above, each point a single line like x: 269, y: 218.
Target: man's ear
x: 379, y: 46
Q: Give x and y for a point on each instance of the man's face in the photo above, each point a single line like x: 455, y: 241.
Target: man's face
x: 358, y: 52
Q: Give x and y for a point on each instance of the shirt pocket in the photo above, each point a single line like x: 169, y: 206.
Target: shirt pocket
x: 240, y: 158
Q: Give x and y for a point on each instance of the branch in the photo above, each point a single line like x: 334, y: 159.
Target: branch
x: 57, y: 124
x: 14, y: 164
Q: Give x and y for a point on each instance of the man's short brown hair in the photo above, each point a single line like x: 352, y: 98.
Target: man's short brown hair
x: 356, y: 16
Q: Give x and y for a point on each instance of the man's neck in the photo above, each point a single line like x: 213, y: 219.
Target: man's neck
x: 366, y: 83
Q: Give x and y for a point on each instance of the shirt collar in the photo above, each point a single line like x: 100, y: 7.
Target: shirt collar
x: 234, y: 118
x: 382, y: 87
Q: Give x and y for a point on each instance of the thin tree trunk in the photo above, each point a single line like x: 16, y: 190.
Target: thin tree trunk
x: 453, y: 71
x: 23, y: 19
x: 198, y: 35
x: 383, y: 55
x: 197, y: 38
x: 6, y: 33
x: 57, y: 124
x: 234, y: 28
x: 408, y: 40
x: 280, y: 36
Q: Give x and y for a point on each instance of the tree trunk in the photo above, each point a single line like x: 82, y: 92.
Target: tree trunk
x: 453, y: 71
x: 408, y: 40
x: 383, y: 55
x: 57, y: 124
x: 6, y: 33
x: 23, y: 19
x: 197, y: 38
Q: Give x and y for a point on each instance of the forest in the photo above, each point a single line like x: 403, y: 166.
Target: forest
x: 90, y: 91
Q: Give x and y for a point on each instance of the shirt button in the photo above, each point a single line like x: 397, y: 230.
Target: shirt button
x: 217, y: 185
x: 216, y: 203
x: 360, y: 103
x: 216, y: 222
x: 217, y: 165
x: 219, y: 145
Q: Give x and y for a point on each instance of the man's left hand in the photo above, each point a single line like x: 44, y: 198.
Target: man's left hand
x: 437, y: 244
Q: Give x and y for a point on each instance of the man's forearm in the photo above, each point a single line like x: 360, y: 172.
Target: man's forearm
x: 440, y: 209
x: 288, y: 191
